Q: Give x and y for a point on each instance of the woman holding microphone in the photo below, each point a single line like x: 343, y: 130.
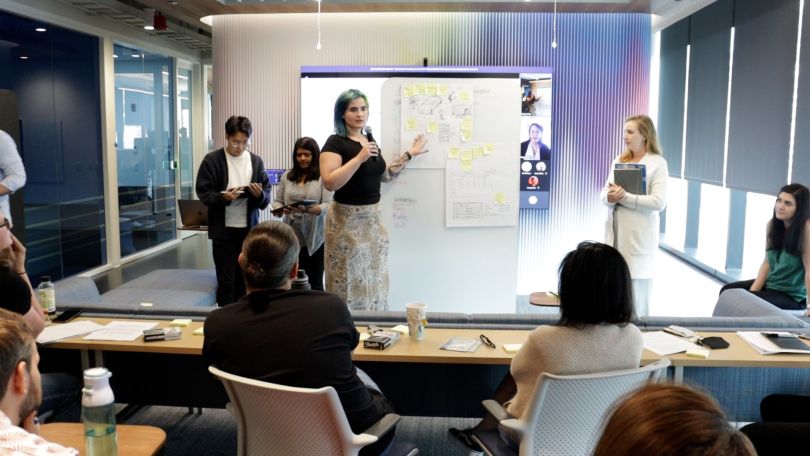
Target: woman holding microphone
x: 356, y: 253
x: 302, y: 201
x: 632, y: 225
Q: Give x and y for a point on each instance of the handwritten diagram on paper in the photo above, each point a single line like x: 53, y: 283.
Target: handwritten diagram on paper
x: 440, y: 110
x: 465, y: 121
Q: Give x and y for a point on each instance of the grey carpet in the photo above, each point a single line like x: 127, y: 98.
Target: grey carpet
x: 213, y: 433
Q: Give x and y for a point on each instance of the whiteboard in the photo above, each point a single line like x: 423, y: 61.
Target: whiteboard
x: 451, y: 269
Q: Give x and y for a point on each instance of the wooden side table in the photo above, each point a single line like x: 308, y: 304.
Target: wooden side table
x: 544, y: 298
x: 133, y: 440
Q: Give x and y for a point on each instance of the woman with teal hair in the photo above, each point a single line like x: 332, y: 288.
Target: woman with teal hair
x: 356, y: 242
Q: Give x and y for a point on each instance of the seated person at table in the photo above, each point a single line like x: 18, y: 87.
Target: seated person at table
x: 594, y: 333
x: 60, y: 400
x: 785, y: 426
x: 22, y: 393
x: 297, y: 338
x: 670, y: 420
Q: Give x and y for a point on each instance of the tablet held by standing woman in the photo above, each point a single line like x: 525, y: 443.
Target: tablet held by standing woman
x: 352, y: 166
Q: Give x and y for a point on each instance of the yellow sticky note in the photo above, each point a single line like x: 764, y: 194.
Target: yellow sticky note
x: 432, y: 127
x: 419, y: 89
x: 500, y: 198
x: 442, y: 89
x: 466, y: 155
x: 467, y: 122
x: 410, y: 124
x: 430, y: 89
x: 466, y: 134
x: 407, y: 91
x: 512, y: 348
x: 198, y: 331
x: 180, y: 322
x: 489, y: 148
x: 453, y: 153
x: 464, y: 96
x: 466, y: 166
x: 478, y: 151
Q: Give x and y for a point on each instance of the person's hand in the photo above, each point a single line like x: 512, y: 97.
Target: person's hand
x: 615, y: 193
x: 255, y: 189
x: 232, y: 193
x: 313, y: 210
x: 17, y: 255
x: 30, y: 423
x: 418, y: 145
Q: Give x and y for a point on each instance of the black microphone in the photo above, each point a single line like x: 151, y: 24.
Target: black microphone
x: 371, y: 139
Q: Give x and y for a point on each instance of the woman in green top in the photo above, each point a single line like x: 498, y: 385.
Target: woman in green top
x: 784, y: 276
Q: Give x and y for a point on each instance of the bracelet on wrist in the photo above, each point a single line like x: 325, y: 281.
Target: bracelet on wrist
x: 408, y: 154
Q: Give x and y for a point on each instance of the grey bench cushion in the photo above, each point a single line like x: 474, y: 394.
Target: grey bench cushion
x: 202, y: 280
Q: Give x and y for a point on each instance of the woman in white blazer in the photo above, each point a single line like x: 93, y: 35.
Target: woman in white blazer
x: 633, y: 224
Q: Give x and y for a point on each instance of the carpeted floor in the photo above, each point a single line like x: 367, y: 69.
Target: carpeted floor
x: 213, y: 433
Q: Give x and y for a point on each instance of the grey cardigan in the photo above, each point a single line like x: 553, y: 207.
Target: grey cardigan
x: 311, y: 225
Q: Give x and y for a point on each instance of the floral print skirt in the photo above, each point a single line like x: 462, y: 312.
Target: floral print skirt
x: 356, y: 256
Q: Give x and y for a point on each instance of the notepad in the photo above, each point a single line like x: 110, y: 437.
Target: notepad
x: 53, y: 333
x: 198, y: 331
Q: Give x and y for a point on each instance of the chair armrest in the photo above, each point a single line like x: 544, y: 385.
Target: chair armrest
x: 496, y: 410
x: 515, y: 424
x: 384, y: 425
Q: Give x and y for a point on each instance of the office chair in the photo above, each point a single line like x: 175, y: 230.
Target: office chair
x: 278, y: 419
x: 567, y: 413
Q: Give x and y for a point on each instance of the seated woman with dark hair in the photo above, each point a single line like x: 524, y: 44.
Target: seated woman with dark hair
x: 671, y: 420
x: 594, y: 333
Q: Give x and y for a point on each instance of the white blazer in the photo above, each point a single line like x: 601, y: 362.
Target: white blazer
x: 633, y: 224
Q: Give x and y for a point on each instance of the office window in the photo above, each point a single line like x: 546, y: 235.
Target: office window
x: 144, y: 114
x: 758, y: 210
x: 184, y: 129
x: 675, y: 232
x: 713, y: 227
x: 53, y: 112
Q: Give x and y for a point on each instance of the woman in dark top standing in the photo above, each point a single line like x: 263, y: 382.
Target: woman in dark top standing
x: 356, y: 241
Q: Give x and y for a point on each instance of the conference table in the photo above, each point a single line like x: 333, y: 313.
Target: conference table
x: 411, y: 358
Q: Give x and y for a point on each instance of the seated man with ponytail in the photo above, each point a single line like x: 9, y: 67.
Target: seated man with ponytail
x: 300, y: 338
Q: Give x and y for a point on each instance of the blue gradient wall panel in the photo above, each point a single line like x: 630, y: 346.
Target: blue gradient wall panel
x: 601, y: 76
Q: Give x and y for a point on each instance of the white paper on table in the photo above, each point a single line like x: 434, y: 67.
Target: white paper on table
x: 121, y: 331
x: 53, y: 333
x: 663, y: 344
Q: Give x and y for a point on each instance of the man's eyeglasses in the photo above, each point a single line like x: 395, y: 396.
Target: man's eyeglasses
x: 5, y: 224
x: 239, y: 145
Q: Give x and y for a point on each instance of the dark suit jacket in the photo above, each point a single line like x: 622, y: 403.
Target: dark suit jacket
x: 545, y: 151
x: 212, y: 179
x: 297, y: 338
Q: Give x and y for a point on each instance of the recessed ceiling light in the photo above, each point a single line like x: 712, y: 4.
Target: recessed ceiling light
x: 23, y: 57
x: 136, y: 56
x: 148, y: 27
x: 41, y: 29
x: 115, y: 56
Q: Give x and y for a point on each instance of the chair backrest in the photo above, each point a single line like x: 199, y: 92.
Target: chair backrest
x: 568, y: 412
x: 278, y: 419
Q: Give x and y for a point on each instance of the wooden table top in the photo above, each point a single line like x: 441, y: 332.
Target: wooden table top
x: 133, y: 440
x: 739, y: 354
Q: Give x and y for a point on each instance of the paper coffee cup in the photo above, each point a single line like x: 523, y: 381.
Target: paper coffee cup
x: 415, y: 312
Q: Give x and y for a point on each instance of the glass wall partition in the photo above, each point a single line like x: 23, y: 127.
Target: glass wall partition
x: 49, y: 78
x: 144, y: 114
x: 184, y: 129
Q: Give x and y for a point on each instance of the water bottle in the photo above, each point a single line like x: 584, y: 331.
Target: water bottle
x: 46, y: 293
x: 301, y: 281
x: 98, y: 413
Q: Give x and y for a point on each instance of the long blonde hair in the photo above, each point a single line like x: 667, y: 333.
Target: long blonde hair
x: 647, y: 129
